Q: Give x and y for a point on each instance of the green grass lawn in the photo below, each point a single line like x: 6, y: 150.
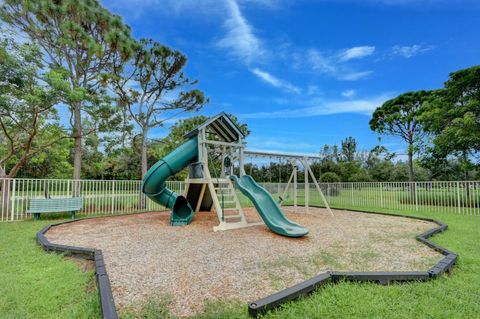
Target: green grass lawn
x: 377, y: 199
x: 35, y: 284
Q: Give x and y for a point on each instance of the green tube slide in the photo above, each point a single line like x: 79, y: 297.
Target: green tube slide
x: 154, y: 181
x: 268, y: 208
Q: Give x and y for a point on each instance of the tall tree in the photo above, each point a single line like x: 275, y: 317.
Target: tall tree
x: 349, y: 149
x: 150, y: 88
x: 400, y: 117
x: 80, y: 38
x: 454, y: 118
x: 28, y: 119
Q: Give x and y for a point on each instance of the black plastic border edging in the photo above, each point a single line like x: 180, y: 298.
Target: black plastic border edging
x: 273, y: 301
x: 107, y: 303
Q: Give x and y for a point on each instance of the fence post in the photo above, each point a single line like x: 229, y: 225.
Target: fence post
x: 307, y: 188
x: 458, y: 197
x: 416, y: 197
x: 113, y: 196
x: 12, y: 207
x: 328, y: 193
x: 381, y: 195
x: 353, y: 201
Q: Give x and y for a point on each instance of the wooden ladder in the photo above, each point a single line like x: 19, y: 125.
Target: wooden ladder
x: 233, y: 214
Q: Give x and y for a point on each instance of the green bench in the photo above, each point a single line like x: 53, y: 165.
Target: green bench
x: 54, y: 205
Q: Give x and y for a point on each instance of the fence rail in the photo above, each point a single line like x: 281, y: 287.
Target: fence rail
x: 120, y: 197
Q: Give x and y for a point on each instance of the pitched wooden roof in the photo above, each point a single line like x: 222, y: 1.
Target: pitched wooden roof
x: 220, y: 125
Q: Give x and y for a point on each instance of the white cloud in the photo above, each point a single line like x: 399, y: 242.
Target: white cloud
x: 240, y: 38
x: 349, y: 93
x: 274, y: 81
x: 318, y: 61
x: 410, y: 51
x: 240, y: 41
x: 319, y: 107
x: 267, y: 3
x: 330, y: 64
x: 356, y: 53
x: 354, y: 76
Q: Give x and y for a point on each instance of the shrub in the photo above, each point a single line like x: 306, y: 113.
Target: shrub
x: 329, y: 177
x: 332, y: 189
x: 360, y: 177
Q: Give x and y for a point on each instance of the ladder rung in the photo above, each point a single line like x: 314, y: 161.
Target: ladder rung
x: 221, y: 181
x: 225, y: 195
x: 232, y: 216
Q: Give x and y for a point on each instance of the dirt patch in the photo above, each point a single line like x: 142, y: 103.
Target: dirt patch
x: 84, y: 264
x: 144, y: 255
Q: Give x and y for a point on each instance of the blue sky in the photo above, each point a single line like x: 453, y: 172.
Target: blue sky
x: 306, y: 73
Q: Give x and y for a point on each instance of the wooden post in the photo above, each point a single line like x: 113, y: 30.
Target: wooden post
x: 319, y: 190
x: 240, y: 150
x: 288, y: 185
x: 200, y: 198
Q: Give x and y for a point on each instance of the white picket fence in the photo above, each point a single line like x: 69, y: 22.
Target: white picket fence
x: 121, y: 197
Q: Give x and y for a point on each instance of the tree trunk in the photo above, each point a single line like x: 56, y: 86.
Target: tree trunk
x: 78, y: 147
x: 77, y: 136
x: 410, y: 162
x: 410, y: 172
x: 467, y: 174
x: 143, y: 201
x: 144, y: 151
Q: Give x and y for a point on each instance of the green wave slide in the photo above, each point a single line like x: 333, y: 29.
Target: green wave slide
x: 268, y: 208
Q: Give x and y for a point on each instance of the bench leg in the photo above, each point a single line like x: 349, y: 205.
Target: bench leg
x: 73, y: 215
x: 36, y: 216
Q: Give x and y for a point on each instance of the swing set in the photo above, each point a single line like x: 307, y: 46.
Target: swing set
x: 294, y: 160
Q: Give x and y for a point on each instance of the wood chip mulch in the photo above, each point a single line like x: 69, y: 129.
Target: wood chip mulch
x: 192, y: 264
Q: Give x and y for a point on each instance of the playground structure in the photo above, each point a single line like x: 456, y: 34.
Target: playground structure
x: 218, y: 145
